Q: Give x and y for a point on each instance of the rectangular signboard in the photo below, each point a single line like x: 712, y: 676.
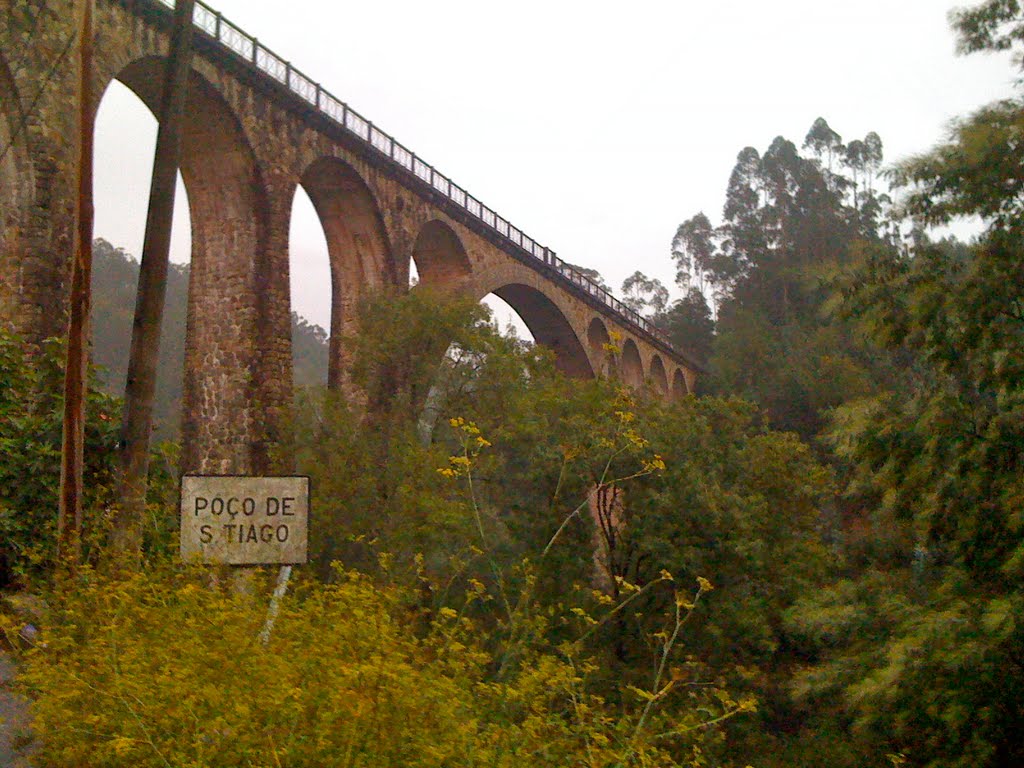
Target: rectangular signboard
x: 244, y: 520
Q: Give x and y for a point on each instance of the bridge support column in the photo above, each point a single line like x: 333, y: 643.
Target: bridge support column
x: 37, y: 179
x: 274, y: 374
x: 223, y: 431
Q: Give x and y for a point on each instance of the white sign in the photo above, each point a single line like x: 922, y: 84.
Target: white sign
x: 244, y: 520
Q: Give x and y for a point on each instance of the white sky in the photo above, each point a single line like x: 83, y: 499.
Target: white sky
x: 595, y: 127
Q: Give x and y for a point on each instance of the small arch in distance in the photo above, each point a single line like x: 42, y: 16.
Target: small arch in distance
x: 632, y: 369
x: 679, y: 388
x: 659, y: 379
x: 598, y: 340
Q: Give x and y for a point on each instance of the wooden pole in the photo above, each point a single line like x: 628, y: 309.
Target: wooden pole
x: 145, y: 349
x: 69, y: 514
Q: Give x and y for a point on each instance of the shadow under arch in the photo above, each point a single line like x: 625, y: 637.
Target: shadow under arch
x: 358, y: 249
x: 658, y: 377
x: 440, y: 257
x: 225, y: 329
x: 16, y: 186
x: 549, y: 327
x: 598, y: 339
x: 679, y: 390
x: 631, y: 368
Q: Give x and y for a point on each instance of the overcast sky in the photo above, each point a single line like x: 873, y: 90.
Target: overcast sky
x: 595, y: 127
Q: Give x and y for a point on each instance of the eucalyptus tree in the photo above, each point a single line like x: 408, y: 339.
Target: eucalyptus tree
x: 695, y: 253
x: 825, y: 143
x: 643, y: 294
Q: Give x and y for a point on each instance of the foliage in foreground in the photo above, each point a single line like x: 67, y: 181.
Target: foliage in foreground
x: 31, y: 408
x: 486, y: 474
x: 166, y: 668
x: 919, y: 647
x: 922, y: 645
x: 593, y: 485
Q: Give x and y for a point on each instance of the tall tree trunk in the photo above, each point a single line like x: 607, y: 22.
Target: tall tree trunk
x: 69, y: 513
x: 145, y: 349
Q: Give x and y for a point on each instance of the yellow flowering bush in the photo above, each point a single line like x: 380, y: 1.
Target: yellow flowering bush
x: 165, y: 668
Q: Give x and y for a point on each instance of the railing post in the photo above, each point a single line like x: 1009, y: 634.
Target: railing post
x: 216, y: 25
x: 318, y: 107
x: 288, y: 75
x: 255, y: 48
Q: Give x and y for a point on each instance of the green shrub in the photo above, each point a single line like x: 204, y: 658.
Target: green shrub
x: 31, y: 410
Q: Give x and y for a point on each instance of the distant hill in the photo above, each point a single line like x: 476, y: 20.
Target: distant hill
x: 114, y: 282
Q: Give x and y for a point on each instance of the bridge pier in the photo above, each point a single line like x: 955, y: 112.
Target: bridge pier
x: 272, y: 381
x: 37, y: 180
x: 225, y: 333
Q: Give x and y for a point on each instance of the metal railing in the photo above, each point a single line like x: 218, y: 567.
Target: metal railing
x: 248, y: 48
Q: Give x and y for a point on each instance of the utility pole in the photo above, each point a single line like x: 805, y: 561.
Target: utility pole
x: 69, y: 514
x: 149, y: 305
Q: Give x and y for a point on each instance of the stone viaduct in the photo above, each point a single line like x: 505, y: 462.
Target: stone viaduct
x: 256, y: 129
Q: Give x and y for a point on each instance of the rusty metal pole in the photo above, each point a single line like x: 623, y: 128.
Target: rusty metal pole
x: 126, y: 538
x: 69, y: 513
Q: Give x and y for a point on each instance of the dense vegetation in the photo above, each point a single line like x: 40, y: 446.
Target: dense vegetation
x: 817, y: 562
x: 472, y: 602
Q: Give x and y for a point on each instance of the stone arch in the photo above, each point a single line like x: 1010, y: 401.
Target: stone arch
x: 357, y: 244
x: 658, y: 377
x: 679, y: 389
x: 229, y: 275
x: 631, y: 369
x: 440, y: 256
x: 16, y: 187
x: 597, y: 340
x: 549, y: 327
